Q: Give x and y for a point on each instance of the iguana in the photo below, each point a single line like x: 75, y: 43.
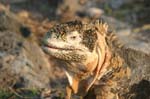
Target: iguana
x: 88, y: 52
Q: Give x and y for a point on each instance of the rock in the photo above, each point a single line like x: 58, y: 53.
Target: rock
x: 93, y: 12
x: 8, y: 20
x: 22, y: 63
x: 127, y: 34
x: 136, y: 93
x: 115, y: 4
x: 66, y: 5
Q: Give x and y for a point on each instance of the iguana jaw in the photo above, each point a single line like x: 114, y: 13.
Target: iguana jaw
x: 50, y: 47
x: 68, y: 53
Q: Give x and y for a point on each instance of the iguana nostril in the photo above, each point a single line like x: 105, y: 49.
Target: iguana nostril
x: 73, y: 37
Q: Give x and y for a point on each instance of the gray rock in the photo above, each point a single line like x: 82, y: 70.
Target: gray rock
x: 22, y: 63
x: 93, y: 12
x: 127, y: 35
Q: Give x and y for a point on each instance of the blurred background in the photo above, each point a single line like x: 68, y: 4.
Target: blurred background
x: 124, y: 15
x: 135, y: 12
x: 48, y: 12
x: 24, y: 22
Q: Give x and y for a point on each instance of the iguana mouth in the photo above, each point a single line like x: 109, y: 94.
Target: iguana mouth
x: 70, y: 48
x: 58, y: 48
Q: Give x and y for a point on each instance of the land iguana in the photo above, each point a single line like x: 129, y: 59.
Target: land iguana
x: 88, y: 52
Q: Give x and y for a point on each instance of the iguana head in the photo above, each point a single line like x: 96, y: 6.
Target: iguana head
x: 70, y: 41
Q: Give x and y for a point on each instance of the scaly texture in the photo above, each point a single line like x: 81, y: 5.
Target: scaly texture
x: 89, y: 52
x: 83, y: 50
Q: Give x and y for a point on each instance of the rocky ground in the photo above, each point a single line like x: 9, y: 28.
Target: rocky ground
x: 26, y: 72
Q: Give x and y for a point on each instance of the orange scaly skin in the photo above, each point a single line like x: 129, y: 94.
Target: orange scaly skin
x: 85, y: 51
